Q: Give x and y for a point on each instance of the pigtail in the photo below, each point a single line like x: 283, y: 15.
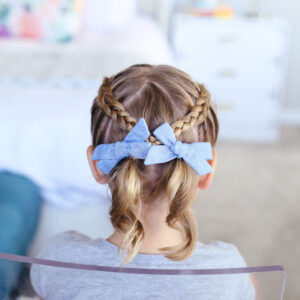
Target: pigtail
x: 181, y: 189
x: 126, y: 207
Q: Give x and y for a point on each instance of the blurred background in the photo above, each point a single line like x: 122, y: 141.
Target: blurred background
x: 53, y: 55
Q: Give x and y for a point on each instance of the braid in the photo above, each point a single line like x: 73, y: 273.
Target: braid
x: 112, y: 107
x: 115, y: 109
x: 197, y: 115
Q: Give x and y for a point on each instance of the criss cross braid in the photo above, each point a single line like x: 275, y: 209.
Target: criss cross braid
x: 115, y: 109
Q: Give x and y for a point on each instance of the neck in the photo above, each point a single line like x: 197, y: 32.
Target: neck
x: 157, y: 232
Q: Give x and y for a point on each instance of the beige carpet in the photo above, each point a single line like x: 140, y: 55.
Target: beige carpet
x: 254, y: 204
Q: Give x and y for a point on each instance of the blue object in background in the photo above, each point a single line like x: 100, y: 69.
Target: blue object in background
x: 20, y: 203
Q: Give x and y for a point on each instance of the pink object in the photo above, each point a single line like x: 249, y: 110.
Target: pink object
x: 29, y: 26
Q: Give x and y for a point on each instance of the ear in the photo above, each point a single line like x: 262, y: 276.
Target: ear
x: 205, y: 180
x: 98, y: 174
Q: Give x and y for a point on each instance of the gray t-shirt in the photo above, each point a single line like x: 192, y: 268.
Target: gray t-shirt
x: 61, y: 283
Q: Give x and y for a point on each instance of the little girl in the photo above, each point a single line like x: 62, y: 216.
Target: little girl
x: 153, y: 133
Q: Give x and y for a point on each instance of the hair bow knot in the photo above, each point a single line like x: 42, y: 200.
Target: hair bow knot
x: 132, y: 145
x: 179, y: 149
x: 194, y: 154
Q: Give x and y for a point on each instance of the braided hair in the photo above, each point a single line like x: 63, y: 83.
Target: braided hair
x: 159, y: 94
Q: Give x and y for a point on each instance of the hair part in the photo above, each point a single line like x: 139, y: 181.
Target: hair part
x: 158, y: 94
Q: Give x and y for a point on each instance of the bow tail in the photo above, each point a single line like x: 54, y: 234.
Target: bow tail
x: 204, y: 148
x: 200, y: 165
x: 107, y: 165
x: 103, y: 151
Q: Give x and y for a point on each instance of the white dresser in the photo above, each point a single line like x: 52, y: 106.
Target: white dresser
x: 243, y: 64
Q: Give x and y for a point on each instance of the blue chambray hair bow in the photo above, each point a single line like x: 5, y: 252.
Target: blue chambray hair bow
x: 195, y: 154
x: 133, y: 145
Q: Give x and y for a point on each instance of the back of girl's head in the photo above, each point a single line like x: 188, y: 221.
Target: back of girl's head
x: 158, y: 94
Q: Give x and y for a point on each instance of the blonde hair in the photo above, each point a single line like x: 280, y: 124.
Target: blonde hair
x: 158, y: 93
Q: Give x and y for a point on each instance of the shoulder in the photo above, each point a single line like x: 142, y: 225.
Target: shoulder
x: 60, y: 244
x: 69, y: 246
x: 221, y: 254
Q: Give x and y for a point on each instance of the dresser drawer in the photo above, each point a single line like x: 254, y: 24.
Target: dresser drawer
x: 218, y: 37
x: 243, y: 111
x: 243, y: 133
x: 263, y: 79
